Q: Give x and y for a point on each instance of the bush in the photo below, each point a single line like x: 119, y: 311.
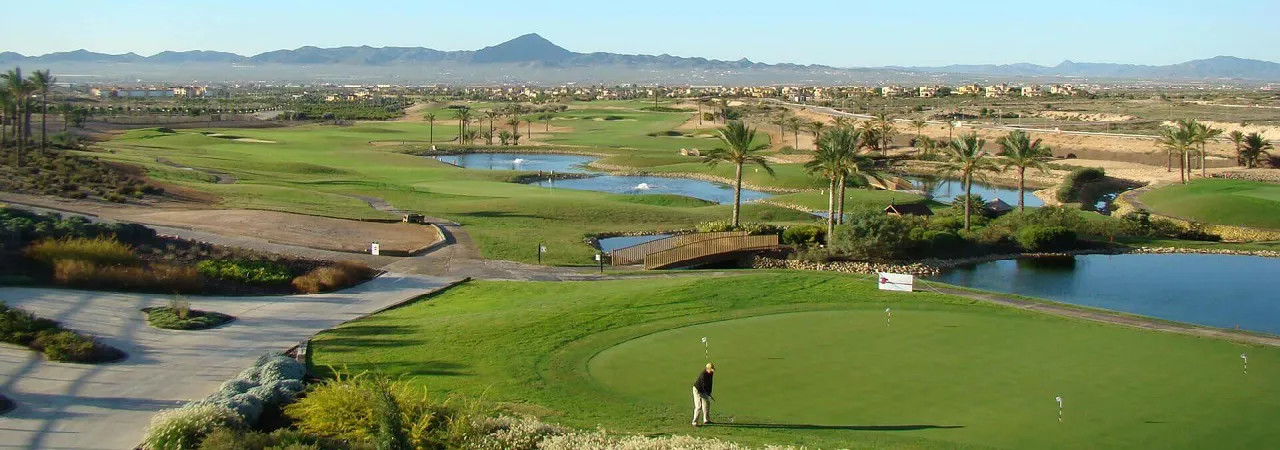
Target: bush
x: 257, y: 272
x: 45, y: 336
x: 944, y: 242
x: 340, y: 275
x: 231, y: 439
x: 21, y: 327
x: 754, y: 228
x: 171, y: 319
x: 100, y: 250
x: 804, y: 235
x: 875, y: 235
x: 511, y: 433
x: 183, y: 428
x: 345, y: 408
x: 1037, y: 238
x: 1069, y: 191
x: 157, y: 278
x: 65, y: 345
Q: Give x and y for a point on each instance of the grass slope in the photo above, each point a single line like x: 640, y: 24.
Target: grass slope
x: 1226, y: 202
x: 829, y: 373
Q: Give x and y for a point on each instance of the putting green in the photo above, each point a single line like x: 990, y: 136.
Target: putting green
x: 957, y: 376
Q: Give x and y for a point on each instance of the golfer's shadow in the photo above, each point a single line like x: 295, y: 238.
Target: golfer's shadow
x: 791, y: 426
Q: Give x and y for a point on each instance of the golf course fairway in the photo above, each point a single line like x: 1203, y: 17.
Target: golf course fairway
x: 807, y: 359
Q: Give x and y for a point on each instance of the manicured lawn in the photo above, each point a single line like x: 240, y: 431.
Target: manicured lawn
x: 319, y: 169
x: 1226, y: 202
x: 806, y: 358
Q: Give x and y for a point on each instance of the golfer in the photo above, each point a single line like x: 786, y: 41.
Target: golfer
x: 702, y: 394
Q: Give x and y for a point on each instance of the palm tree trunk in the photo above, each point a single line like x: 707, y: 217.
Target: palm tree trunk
x: 967, y: 186
x: 1202, y: 169
x: 431, y: 138
x: 1168, y: 160
x: 831, y: 206
x: 1022, y: 187
x: 44, y: 116
x: 737, y: 195
x: 1182, y: 167
x: 840, y: 209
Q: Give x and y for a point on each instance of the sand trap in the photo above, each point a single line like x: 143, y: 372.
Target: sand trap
x: 300, y: 230
x: 231, y: 137
x: 256, y: 141
x: 601, y: 119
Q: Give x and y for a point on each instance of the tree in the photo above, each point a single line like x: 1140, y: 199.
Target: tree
x: 431, y: 124
x: 739, y: 149
x: 6, y: 103
x: 546, y: 119
x: 504, y: 136
x: 1021, y: 152
x: 919, y: 125
x: 42, y: 81
x: 1176, y: 140
x: 870, y: 136
x: 1253, y: 147
x: 487, y: 136
x: 491, y: 114
x: 514, y: 122
x: 1237, y: 138
x: 781, y: 122
x: 816, y: 127
x: 967, y: 157
x: 66, y: 110
x: 1201, y: 135
x: 828, y: 161
x: 793, y: 124
x: 463, y: 115
x: 20, y: 91
x: 837, y: 158
x: 884, y: 131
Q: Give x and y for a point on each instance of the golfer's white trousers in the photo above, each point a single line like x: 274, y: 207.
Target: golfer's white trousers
x: 701, y: 404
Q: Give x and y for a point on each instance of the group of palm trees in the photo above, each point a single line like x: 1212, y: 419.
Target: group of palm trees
x: 1188, y: 137
x: 877, y: 133
x: 18, y: 102
x: 512, y: 113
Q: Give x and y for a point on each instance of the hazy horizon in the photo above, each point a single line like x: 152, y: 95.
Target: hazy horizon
x: 928, y: 33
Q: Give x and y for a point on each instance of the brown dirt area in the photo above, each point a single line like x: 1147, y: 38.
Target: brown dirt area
x: 278, y: 227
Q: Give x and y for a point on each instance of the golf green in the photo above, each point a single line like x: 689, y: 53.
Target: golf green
x: 962, y: 377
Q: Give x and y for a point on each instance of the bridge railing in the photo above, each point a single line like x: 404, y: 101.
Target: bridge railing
x: 635, y: 254
x: 709, y: 247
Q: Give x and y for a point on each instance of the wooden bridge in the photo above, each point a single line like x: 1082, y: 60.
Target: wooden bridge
x: 693, y: 249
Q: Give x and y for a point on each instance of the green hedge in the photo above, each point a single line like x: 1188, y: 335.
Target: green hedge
x: 44, y: 335
x: 257, y: 272
x: 1038, y: 238
x: 1070, y: 190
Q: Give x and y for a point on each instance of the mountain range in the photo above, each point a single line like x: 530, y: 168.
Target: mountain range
x: 539, y: 58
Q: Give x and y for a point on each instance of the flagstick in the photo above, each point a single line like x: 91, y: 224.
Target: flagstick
x: 888, y: 317
x: 1245, y: 357
x: 706, y: 349
x: 1059, y: 399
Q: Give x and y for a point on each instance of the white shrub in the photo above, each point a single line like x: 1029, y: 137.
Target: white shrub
x: 511, y: 433
x: 185, y: 427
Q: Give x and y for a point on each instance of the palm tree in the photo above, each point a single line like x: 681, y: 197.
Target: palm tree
x: 487, y: 135
x: 20, y: 90
x: 66, y: 110
x: 967, y: 157
x: 514, y: 122
x: 951, y: 126
x: 738, y: 149
x: 885, y: 131
x: 431, y: 123
x: 1203, y: 134
x: 837, y: 159
x: 870, y: 136
x: 841, y: 122
x: 546, y: 119
x: 828, y: 161
x: 528, y: 126
x: 816, y: 127
x: 919, y: 125
x: 793, y: 124
x: 491, y: 114
x: 463, y: 115
x: 6, y: 102
x: 1176, y: 140
x: 701, y: 101
x: 1253, y: 147
x: 781, y: 122
x: 504, y: 136
x: 1237, y: 138
x: 1021, y: 152
x: 42, y: 81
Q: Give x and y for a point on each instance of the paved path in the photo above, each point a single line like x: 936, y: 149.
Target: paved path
x: 108, y: 406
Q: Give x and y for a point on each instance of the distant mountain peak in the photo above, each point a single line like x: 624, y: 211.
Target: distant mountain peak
x: 531, y: 47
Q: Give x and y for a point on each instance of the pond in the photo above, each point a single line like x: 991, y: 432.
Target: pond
x: 1212, y: 290
x: 520, y: 161
x: 715, y: 192
x: 945, y: 190
x: 614, y: 243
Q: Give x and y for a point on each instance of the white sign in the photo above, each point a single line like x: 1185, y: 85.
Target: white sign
x: 597, y: 256
x: 896, y: 282
x: 542, y: 248
x: 373, y: 249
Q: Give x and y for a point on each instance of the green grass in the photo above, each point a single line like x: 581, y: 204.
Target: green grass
x: 813, y: 349
x: 1225, y: 202
x: 167, y: 318
x: 853, y: 198
x: 319, y: 169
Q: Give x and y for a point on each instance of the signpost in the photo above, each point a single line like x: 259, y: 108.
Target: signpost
x: 896, y: 282
x: 600, y: 259
x: 542, y: 248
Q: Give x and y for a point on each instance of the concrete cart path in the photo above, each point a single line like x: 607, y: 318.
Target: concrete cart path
x: 108, y: 406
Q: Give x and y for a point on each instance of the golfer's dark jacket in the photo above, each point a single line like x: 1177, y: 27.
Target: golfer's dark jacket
x: 703, y: 384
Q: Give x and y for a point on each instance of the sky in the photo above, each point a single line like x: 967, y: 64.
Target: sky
x: 842, y: 33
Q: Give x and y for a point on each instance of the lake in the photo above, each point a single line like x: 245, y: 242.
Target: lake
x: 647, y: 184
x: 614, y: 243
x: 946, y: 190
x: 520, y: 161
x: 1212, y: 290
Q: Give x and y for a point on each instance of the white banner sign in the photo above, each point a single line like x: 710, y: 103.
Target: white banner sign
x: 896, y: 282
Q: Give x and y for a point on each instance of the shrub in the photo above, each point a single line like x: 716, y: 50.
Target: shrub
x: 99, y: 250
x: 750, y: 227
x: 804, y: 235
x: 511, y: 433
x: 65, y: 345
x: 346, y: 408
x: 870, y: 234
x: 337, y: 276
x: 257, y: 272
x: 157, y: 278
x: 21, y: 327
x: 1038, y: 238
x: 172, y: 319
x: 231, y: 439
x: 944, y: 242
x: 1069, y: 191
x: 183, y: 428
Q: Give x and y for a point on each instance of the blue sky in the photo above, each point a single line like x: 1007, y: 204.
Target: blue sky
x: 840, y: 33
